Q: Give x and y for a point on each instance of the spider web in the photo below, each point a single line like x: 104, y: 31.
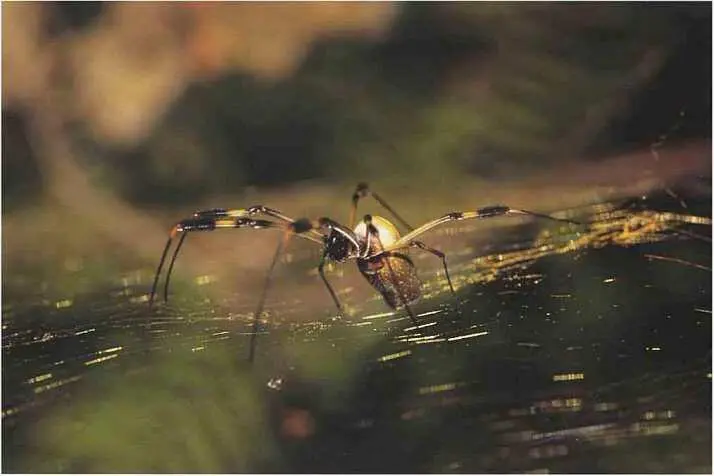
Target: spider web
x: 568, y: 345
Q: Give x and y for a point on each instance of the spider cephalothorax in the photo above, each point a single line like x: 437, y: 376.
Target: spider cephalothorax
x: 338, y: 247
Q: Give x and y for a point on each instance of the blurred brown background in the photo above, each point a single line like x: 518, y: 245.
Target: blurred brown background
x: 120, y: 118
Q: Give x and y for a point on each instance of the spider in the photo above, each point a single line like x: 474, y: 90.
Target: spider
x: 374, y: 243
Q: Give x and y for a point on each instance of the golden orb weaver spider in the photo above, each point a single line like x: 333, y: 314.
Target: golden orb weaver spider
x: 374, y: 243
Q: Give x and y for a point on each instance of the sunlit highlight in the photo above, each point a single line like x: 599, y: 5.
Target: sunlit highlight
x: 467, y: 336
x: 396, y: 355
x: 568, y: 377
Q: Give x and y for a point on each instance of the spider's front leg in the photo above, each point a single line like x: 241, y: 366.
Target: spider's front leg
x: 201, y: 221
x: 409, y: 240
x: 228, y: 218
x: 254, y: 211
x: 222, y: 218
x: 480, y: 213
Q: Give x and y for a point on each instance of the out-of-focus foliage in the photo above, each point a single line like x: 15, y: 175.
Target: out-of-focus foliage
x: 180, y: 414
x: 21, y: 178
x: 75, y: 16
x: 487, y: 89
x: 438, y: 90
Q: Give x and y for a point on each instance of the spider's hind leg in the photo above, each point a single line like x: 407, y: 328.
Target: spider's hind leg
x: 362, y: 190
x: 441, y: 256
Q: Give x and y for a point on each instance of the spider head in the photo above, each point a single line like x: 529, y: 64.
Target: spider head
x: 338, y: 247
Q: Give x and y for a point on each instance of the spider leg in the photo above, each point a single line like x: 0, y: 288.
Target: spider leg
x: 362, y: 190
x: 252, y: 211
x: 171, y: 265
x: 282, y: 244
x: 208, y: 221
x: 485, y: 212
x: 321, y: 271
x: 442, y: 256
x: 299, y: 227
x: 158, y: 270
x: 216, y: 213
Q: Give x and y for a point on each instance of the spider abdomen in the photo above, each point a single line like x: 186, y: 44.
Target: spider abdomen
x: 387, y: 234
x: 394, y: 276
